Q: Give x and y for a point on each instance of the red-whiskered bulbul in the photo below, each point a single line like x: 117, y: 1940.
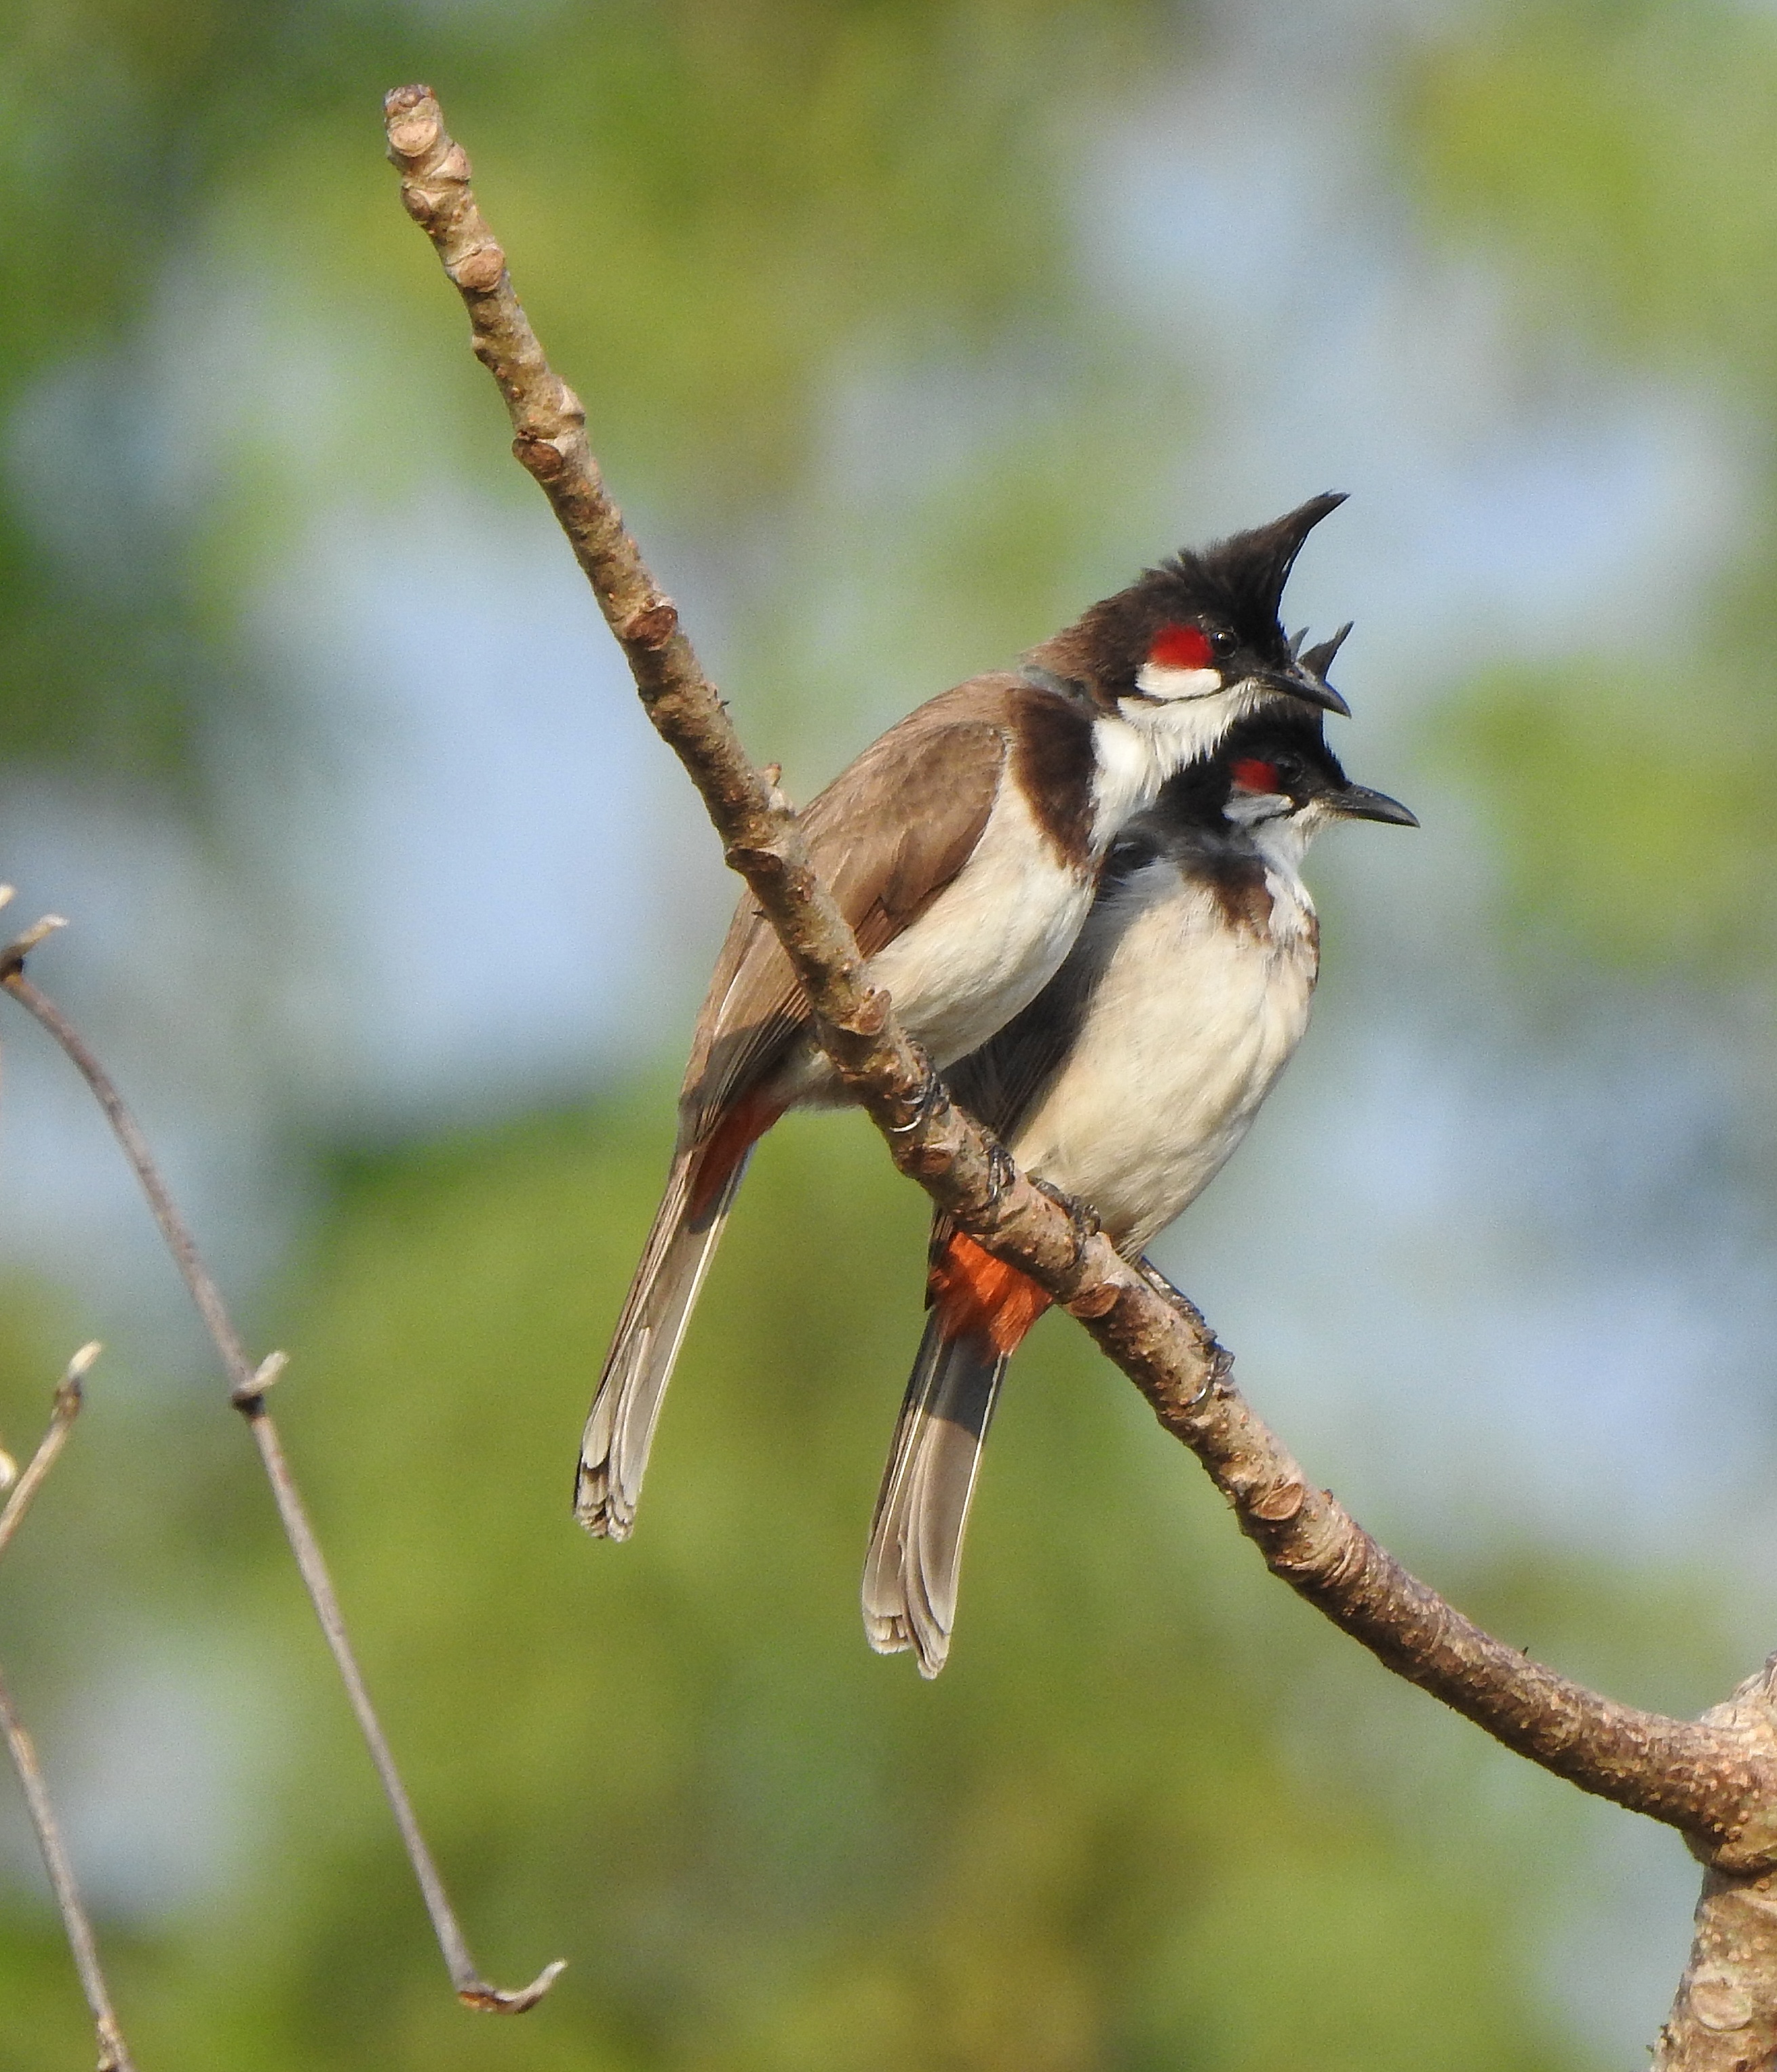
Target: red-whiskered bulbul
x: 964, y: 848
x: 1127, y: 1084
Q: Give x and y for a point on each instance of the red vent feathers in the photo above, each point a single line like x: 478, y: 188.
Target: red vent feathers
x: 977, y: 1296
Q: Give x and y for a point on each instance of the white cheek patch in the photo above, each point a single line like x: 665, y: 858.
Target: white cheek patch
x: 1159, y: 681
x: 1251, y: 809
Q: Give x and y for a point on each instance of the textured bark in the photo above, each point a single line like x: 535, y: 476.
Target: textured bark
x: 1725, y: 2016
x: 1714, y: 1779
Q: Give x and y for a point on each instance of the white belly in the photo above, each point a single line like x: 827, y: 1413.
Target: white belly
x: 981, y: 951
x: 990, y: 941
x: 1185, y: 1035
x: 996, y: 935
x: 994, y: 938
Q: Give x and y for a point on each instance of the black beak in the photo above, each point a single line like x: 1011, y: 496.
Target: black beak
x: 1358, y: 802
x: 1297, y: 682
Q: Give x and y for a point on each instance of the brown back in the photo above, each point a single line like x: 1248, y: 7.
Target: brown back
x: 887, y: 836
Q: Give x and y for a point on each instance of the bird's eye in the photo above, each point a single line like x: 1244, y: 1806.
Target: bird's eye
x: 1178, y: 646
x: 1251, y: 774
x: 1224, y: 642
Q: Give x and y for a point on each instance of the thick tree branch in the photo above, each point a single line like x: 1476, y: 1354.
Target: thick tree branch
x: 1725, y: 2017
x: 247, y: 1385
x: 1714, y: 1779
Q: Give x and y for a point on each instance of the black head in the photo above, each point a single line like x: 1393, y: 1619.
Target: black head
x: 1275, y: 766
x: 1206, y: 620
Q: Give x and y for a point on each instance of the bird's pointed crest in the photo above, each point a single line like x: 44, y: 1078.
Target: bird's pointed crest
x: 1250, y: 569
x: 1230, y: 590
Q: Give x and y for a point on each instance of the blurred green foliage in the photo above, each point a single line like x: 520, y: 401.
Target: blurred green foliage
x: 675, y: 1763
x: 1613, y: 151
x: 1097, y: 1841
x: 1609, y: 160
x: 1144, y: 1819
x: 716, y: 203
x: 1638, y: 829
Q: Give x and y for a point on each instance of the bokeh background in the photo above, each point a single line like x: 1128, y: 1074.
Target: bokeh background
x: 906, y: 327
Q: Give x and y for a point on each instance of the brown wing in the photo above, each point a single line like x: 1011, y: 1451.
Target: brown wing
x: 887, y: 835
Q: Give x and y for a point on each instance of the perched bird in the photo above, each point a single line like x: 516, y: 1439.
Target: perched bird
x: 964, y: 847
x: 1127, y: 1083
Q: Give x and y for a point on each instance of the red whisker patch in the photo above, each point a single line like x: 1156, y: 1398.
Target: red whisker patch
x: 1182, y: 647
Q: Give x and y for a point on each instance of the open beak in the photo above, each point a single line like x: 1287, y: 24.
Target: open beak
x: 1358, y: 802
x: 1297, y: 682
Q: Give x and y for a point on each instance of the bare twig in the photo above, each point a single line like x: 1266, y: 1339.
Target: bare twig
x: 248, y: 1384
x: 113, y: 2053
x: 67, y: 1409
x: 1714, y: 1779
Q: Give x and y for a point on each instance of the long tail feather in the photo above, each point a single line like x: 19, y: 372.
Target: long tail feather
x: 620, y: 1428
x: 916, y: 1537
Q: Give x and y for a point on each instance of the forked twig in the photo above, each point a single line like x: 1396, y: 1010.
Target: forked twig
x: 61, y: 1422
x: 113, y: 2053
x: 248, y: 1384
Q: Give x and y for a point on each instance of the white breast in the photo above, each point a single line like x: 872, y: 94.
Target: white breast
x: 1140, y: 746
x: 995, y: 937
x: 991, y: 940
x: 1185, y: 1034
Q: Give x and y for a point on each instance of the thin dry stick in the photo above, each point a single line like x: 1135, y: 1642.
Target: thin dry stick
x: 61, y: 1423
x: 1715, y: 1779
x: 113, y: 2053
x: 247, y: 1387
